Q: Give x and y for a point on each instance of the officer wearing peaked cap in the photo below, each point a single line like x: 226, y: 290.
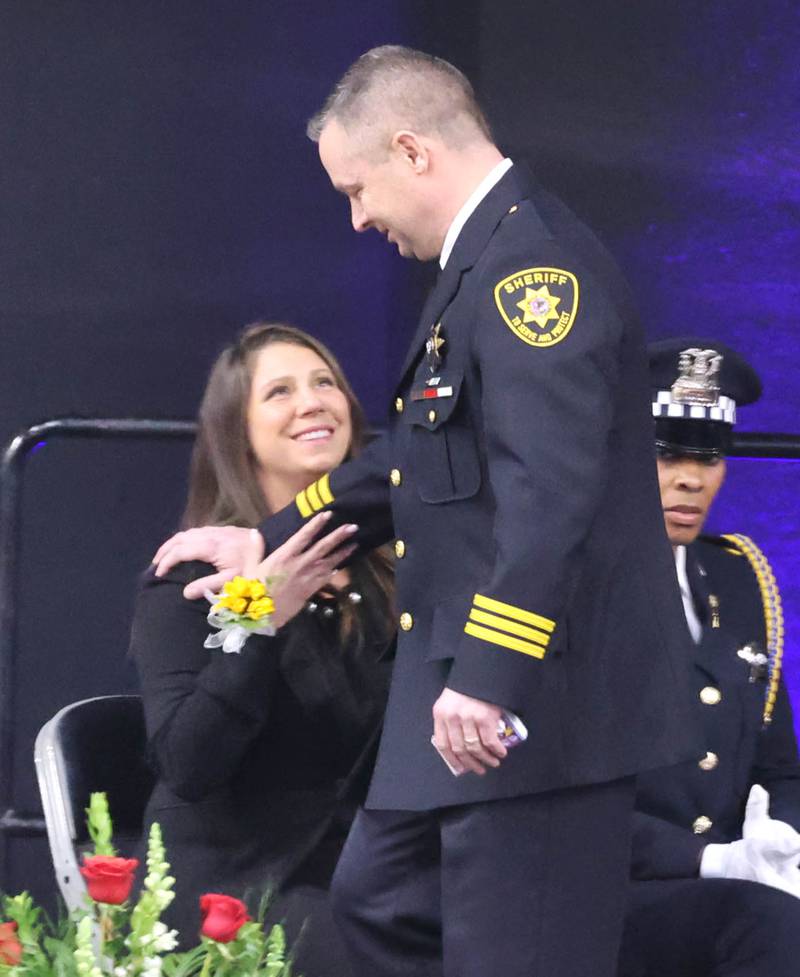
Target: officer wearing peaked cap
x: 695, y: 379
x: 533, y: 573
x: 716, y: 853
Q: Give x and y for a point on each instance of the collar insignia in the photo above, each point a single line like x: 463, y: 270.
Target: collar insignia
x: 433, y: 346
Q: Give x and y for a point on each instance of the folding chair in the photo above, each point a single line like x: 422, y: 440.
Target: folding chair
x: 93, y: 745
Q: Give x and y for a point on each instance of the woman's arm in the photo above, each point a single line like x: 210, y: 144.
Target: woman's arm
x: 203, y: 708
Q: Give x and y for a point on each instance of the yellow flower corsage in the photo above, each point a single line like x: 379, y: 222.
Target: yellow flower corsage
x: 243, y: 608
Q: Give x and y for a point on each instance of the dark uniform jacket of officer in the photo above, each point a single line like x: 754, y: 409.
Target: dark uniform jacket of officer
x: 739, y: 750
x: 534, y: 571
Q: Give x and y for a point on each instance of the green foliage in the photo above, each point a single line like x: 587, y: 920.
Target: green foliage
x: 131, y: 941
x: 85, y: 959
x: 275, y: 965
x: 98, y: 821
x: 147, y: 933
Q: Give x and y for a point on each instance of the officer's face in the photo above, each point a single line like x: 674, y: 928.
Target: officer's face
x: 298, y: 420
x: 688, y: 487
x: 386, y: 192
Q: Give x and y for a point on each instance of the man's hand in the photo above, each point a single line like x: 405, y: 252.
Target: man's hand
x: 232, y: 549
x: 465, y: 732
x: 227, y: 547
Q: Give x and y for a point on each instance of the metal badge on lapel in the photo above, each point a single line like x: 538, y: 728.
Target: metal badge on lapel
x: 433, y: 346
x: 713, y: 603
x: 756, y: 659
x: 538, y: 305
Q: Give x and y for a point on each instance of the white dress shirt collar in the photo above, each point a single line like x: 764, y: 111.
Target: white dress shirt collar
x: 461, y: 218
x: 695, y: 627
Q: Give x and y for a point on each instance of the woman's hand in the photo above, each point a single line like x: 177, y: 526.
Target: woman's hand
x: 300, y: 567
x: 234, y: 550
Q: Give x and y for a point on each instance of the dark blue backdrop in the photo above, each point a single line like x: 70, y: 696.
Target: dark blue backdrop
x: 158, y: 192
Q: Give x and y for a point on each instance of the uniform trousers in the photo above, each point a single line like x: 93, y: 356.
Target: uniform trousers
x: 531, y: 886
x: 710, y: 928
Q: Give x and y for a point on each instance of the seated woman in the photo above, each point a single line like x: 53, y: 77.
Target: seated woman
x: 262, y: 757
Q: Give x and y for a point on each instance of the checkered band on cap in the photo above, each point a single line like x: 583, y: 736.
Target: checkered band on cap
x: 665, y: 406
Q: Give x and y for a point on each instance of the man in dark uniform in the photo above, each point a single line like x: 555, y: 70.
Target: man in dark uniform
x: 696, y: 831
x: 533, y: 572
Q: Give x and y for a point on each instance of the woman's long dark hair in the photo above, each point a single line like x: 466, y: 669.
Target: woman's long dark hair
x: 224, y: 489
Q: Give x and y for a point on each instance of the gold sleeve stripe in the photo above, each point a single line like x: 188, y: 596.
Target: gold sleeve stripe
x: 302, y: 504
x: 313, y: 497
x: 504, y: 640
x: 516, y: 613
x: 503, y: 624
x: 324, y: 489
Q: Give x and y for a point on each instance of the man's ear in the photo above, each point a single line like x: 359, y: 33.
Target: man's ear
x: 411, y: 150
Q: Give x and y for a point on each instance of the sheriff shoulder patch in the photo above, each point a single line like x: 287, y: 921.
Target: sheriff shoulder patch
x: 538, y: 305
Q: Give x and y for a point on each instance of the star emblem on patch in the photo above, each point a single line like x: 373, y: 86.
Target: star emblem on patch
x: 539, y: 306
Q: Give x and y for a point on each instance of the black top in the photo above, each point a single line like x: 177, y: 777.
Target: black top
x: 261, y: 757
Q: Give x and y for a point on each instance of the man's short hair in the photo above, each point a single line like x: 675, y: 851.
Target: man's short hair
x: 393, y: 87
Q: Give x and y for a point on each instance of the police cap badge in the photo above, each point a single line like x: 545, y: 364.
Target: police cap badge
x: 697, y: 384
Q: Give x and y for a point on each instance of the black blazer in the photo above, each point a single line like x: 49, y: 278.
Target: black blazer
x: 738, y: 749
x: 262, y: 757
x: 519, y: 474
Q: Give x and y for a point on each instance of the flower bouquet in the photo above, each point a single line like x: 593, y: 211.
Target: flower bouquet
x: 111, y: 937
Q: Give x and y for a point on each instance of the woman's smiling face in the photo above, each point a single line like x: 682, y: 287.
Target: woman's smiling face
x: 298, y: 420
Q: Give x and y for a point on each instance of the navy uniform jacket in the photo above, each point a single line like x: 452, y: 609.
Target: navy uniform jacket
x: 739, y: 750
x: 518, y: 478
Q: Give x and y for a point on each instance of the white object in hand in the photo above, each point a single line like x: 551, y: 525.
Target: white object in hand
x: 769, y: 851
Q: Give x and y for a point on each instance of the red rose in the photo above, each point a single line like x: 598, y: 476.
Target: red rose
x: 223, y: 916
x: 10, y: 947
x: 108, y: 878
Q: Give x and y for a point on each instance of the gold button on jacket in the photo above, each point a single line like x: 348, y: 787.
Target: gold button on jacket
x: 701, y: 825
x: 398, y: 405
x: 709, y: 762
x: 710, y: 696
x: 399, y: 549
x: 406, y: 621
x: 395, y: 477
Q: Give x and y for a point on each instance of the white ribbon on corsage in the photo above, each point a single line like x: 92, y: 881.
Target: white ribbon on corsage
x: 233, y: 629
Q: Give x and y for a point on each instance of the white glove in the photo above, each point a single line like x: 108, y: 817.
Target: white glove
x: 769, y: 851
